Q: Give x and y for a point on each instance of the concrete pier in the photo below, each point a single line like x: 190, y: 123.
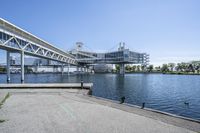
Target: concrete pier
x: 73, y: 111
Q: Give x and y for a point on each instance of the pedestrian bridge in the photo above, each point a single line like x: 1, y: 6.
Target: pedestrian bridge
x: 16, y: 40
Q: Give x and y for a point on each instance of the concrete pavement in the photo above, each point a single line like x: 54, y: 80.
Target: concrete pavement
x: 69, y: 111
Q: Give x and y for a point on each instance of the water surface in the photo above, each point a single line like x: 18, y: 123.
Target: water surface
x: 167, y: 93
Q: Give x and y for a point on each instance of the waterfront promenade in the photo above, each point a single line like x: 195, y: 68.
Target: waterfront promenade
x: 73, y: 111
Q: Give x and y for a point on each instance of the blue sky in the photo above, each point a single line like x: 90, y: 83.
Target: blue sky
x: 166, y: 29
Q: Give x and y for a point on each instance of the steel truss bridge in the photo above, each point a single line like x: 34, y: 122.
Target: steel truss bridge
x: 16, y: 40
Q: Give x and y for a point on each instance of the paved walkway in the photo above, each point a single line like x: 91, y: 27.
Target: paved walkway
x: 65, y: 111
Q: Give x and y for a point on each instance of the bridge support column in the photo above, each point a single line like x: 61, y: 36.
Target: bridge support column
x: 62, y: 69
x: 36, y: 68
x: 91, y: 70
x: 77, y: 68
x: 55, y: 69
x: 87, y: 69
x: 68, y: 68
x: 8, y: 66
x: 22, y: 66
x: 122, y: 69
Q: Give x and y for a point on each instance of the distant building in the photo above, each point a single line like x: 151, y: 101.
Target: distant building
x: 30, y: 61
x: 12, y: 60
x: 101, y: 68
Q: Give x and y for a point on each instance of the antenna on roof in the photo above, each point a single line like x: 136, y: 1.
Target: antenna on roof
x: 121, y: 46
x: 79, y: 46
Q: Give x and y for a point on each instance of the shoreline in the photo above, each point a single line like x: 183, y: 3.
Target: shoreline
x: 71, y: 73
x: 167, y: 73
x: 147, y: 109
x: 165, y: 117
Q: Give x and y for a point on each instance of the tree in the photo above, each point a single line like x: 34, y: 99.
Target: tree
x: 191, y: 68
x: 171, y: 65
x: 143, y: 67
x: 117, y: 68
x: 184, y: 67
x: 138, y: 68
x: 128, y: 68
x: 2, y: 69
x: 164, y: 68
x: 133, y: 68
x: 197, y: 67
x: 150, y: 68
x: 157, y: 68
x: 179, y: 67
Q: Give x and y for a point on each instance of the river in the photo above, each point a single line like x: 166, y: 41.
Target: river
x: 176, y: 94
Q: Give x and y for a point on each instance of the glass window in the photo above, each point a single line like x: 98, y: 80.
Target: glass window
x: 1, y: 35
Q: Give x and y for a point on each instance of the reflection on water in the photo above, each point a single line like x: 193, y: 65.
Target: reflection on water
x: 177, y: 94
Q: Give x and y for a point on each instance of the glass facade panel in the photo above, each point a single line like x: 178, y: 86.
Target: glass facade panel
x: 1, y: 35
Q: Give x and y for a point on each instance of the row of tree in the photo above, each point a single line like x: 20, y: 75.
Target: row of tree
x: 2, y: 69
x: 183, y: 67
x: 193, y: 67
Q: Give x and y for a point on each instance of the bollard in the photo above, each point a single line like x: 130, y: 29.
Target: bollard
x: 186, y: 103
x: 143, y: 104
x: 8, y: 80
x: 81, y: 84
x: 90, y: 92
x: 122, y: 100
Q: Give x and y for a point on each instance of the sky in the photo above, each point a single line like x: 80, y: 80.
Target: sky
x: 168, y: 30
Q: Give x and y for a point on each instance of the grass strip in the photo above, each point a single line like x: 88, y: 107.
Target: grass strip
x: 1, y: 121
x: 3, y: 101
